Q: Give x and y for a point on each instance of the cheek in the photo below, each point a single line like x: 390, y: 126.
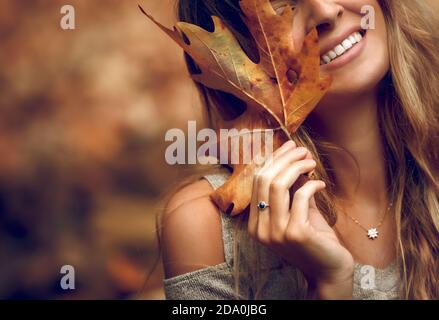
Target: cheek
x: 375, y: 61
x: 364, y: 74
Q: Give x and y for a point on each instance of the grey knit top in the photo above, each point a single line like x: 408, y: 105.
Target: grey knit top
x: 282, y: 281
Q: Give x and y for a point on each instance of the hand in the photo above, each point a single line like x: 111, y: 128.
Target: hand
x: 299, y: 233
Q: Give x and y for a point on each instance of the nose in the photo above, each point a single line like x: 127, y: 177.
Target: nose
x: 323, y: 14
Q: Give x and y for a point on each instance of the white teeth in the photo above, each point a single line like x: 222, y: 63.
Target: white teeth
x: 332, y: 55
x: 340, y: 49
x: 347, y: 44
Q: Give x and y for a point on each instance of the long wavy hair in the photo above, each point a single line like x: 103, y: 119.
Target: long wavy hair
x: 408, y: 118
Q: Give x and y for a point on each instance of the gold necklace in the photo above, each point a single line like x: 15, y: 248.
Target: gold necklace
x: 372, y: 233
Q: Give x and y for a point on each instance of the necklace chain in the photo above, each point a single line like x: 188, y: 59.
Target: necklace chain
x: 372, y: 232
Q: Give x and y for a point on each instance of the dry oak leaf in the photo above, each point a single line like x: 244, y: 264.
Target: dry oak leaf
x: 274, y: 100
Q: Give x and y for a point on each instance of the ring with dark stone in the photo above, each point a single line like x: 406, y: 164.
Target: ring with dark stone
x: 262, y: 205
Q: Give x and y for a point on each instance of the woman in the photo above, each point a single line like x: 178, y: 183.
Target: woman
x: 372, y: 145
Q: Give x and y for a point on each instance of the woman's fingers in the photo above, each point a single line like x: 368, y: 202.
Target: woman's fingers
x: 301, y: 202
x: 267, y: 182
x: 264, y: 179
x: 256, y: 197
x: 280, y: 196
x: 253, y: 215
x: 272, y: 187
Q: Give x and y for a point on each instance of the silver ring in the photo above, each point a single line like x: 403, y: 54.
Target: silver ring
x: 263, y: 205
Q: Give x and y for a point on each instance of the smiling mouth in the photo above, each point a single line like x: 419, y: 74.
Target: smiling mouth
x: 342, y: 48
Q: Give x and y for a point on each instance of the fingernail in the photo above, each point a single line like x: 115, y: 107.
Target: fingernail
x: 290, y: 144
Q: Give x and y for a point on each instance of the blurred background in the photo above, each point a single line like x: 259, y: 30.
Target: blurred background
x: 83, y: 115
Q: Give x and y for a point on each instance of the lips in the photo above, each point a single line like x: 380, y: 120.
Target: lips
x: 342, y: 47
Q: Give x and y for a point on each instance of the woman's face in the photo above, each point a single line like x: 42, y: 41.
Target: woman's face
x: 356, y: 58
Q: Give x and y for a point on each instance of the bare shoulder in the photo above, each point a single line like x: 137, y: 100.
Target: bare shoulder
x: 191, y: 235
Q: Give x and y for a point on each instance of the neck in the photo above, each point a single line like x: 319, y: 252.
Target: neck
x: 360, y: 167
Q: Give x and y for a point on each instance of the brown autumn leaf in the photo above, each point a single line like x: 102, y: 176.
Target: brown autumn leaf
x: 274, y: 99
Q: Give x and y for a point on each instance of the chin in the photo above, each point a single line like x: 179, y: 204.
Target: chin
x: 362, y: 76
x: 360, y: 80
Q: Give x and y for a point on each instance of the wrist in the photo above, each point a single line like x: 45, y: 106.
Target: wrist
x: 338, y: 287
x: 334, y: 291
